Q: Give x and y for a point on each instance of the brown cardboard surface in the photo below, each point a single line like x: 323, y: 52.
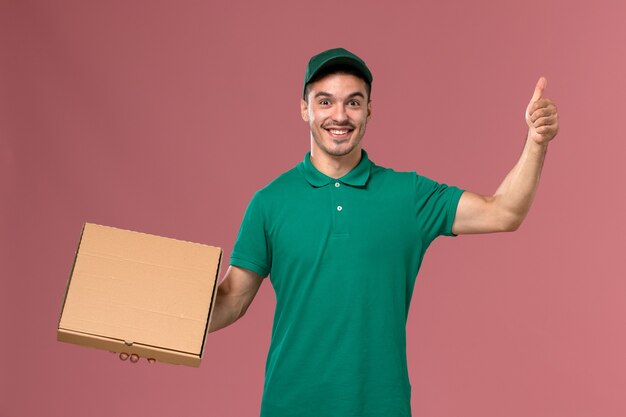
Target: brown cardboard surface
x: 138, y: 293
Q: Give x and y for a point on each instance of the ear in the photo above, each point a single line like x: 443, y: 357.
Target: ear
x: 369, y: 110
x: 304, y: 110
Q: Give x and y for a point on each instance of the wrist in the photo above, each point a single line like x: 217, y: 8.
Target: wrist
x: 536, y: 144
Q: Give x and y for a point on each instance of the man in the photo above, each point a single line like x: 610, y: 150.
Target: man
x: 342, y: 240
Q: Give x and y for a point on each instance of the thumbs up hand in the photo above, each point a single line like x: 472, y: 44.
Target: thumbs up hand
x: 541, y: 116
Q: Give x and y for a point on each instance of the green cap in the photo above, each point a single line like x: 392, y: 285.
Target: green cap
x: 334, y: 57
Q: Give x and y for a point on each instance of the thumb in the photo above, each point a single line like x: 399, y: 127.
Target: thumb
x: 541, y: 85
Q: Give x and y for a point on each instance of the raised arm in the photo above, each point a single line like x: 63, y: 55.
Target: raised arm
x: 506, y: 208
x: 234, y: 295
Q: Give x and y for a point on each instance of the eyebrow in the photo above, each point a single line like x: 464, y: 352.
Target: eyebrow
x: 325, y: 94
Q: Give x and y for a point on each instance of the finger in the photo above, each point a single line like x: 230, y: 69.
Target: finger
x: 541, y: 104
x: 548, y: 131
x: 538, y: 113
x: 545, y: 121
x: 134, y: 358
x: 123, y: 356
x: 539, y: 88
x: 544, y: 112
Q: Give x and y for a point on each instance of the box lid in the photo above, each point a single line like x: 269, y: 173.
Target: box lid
x: 140, y: 288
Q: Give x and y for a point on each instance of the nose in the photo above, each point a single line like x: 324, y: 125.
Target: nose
x: 339, y: 115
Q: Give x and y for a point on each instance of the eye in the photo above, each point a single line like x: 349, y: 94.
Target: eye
x: 324, y: 102
x: 354, y: 103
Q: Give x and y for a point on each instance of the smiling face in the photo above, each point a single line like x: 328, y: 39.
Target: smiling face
x: 337, y: 108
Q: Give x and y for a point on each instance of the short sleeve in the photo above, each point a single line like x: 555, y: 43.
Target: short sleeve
x: 252, y: 249
x: 436, y: 205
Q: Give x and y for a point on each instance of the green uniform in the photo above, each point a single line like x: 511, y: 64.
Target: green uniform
x: 342, y: 256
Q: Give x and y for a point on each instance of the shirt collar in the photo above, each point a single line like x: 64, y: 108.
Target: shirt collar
x: 357, y: 177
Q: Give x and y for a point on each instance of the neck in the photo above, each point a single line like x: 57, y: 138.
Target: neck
x: 335, y: 166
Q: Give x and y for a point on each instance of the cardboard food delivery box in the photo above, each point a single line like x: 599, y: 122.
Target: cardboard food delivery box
x: 136, y: 293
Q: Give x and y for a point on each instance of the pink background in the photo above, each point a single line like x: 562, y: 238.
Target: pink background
x: 165, y: 117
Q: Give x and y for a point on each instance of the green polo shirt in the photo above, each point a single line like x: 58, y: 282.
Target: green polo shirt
x: 342, y: 255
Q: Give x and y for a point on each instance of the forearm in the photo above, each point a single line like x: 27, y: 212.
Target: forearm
x: 515, y: 194
x: 234, y: 295
x: 226, y: 311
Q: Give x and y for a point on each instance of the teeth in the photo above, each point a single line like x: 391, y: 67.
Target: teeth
x: 338, y: 132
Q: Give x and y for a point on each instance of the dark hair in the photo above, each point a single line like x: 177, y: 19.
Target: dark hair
x: 338, y: 69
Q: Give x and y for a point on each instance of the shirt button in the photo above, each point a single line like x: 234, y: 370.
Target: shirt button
x: 337, y: 184
x: 339, y: 208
